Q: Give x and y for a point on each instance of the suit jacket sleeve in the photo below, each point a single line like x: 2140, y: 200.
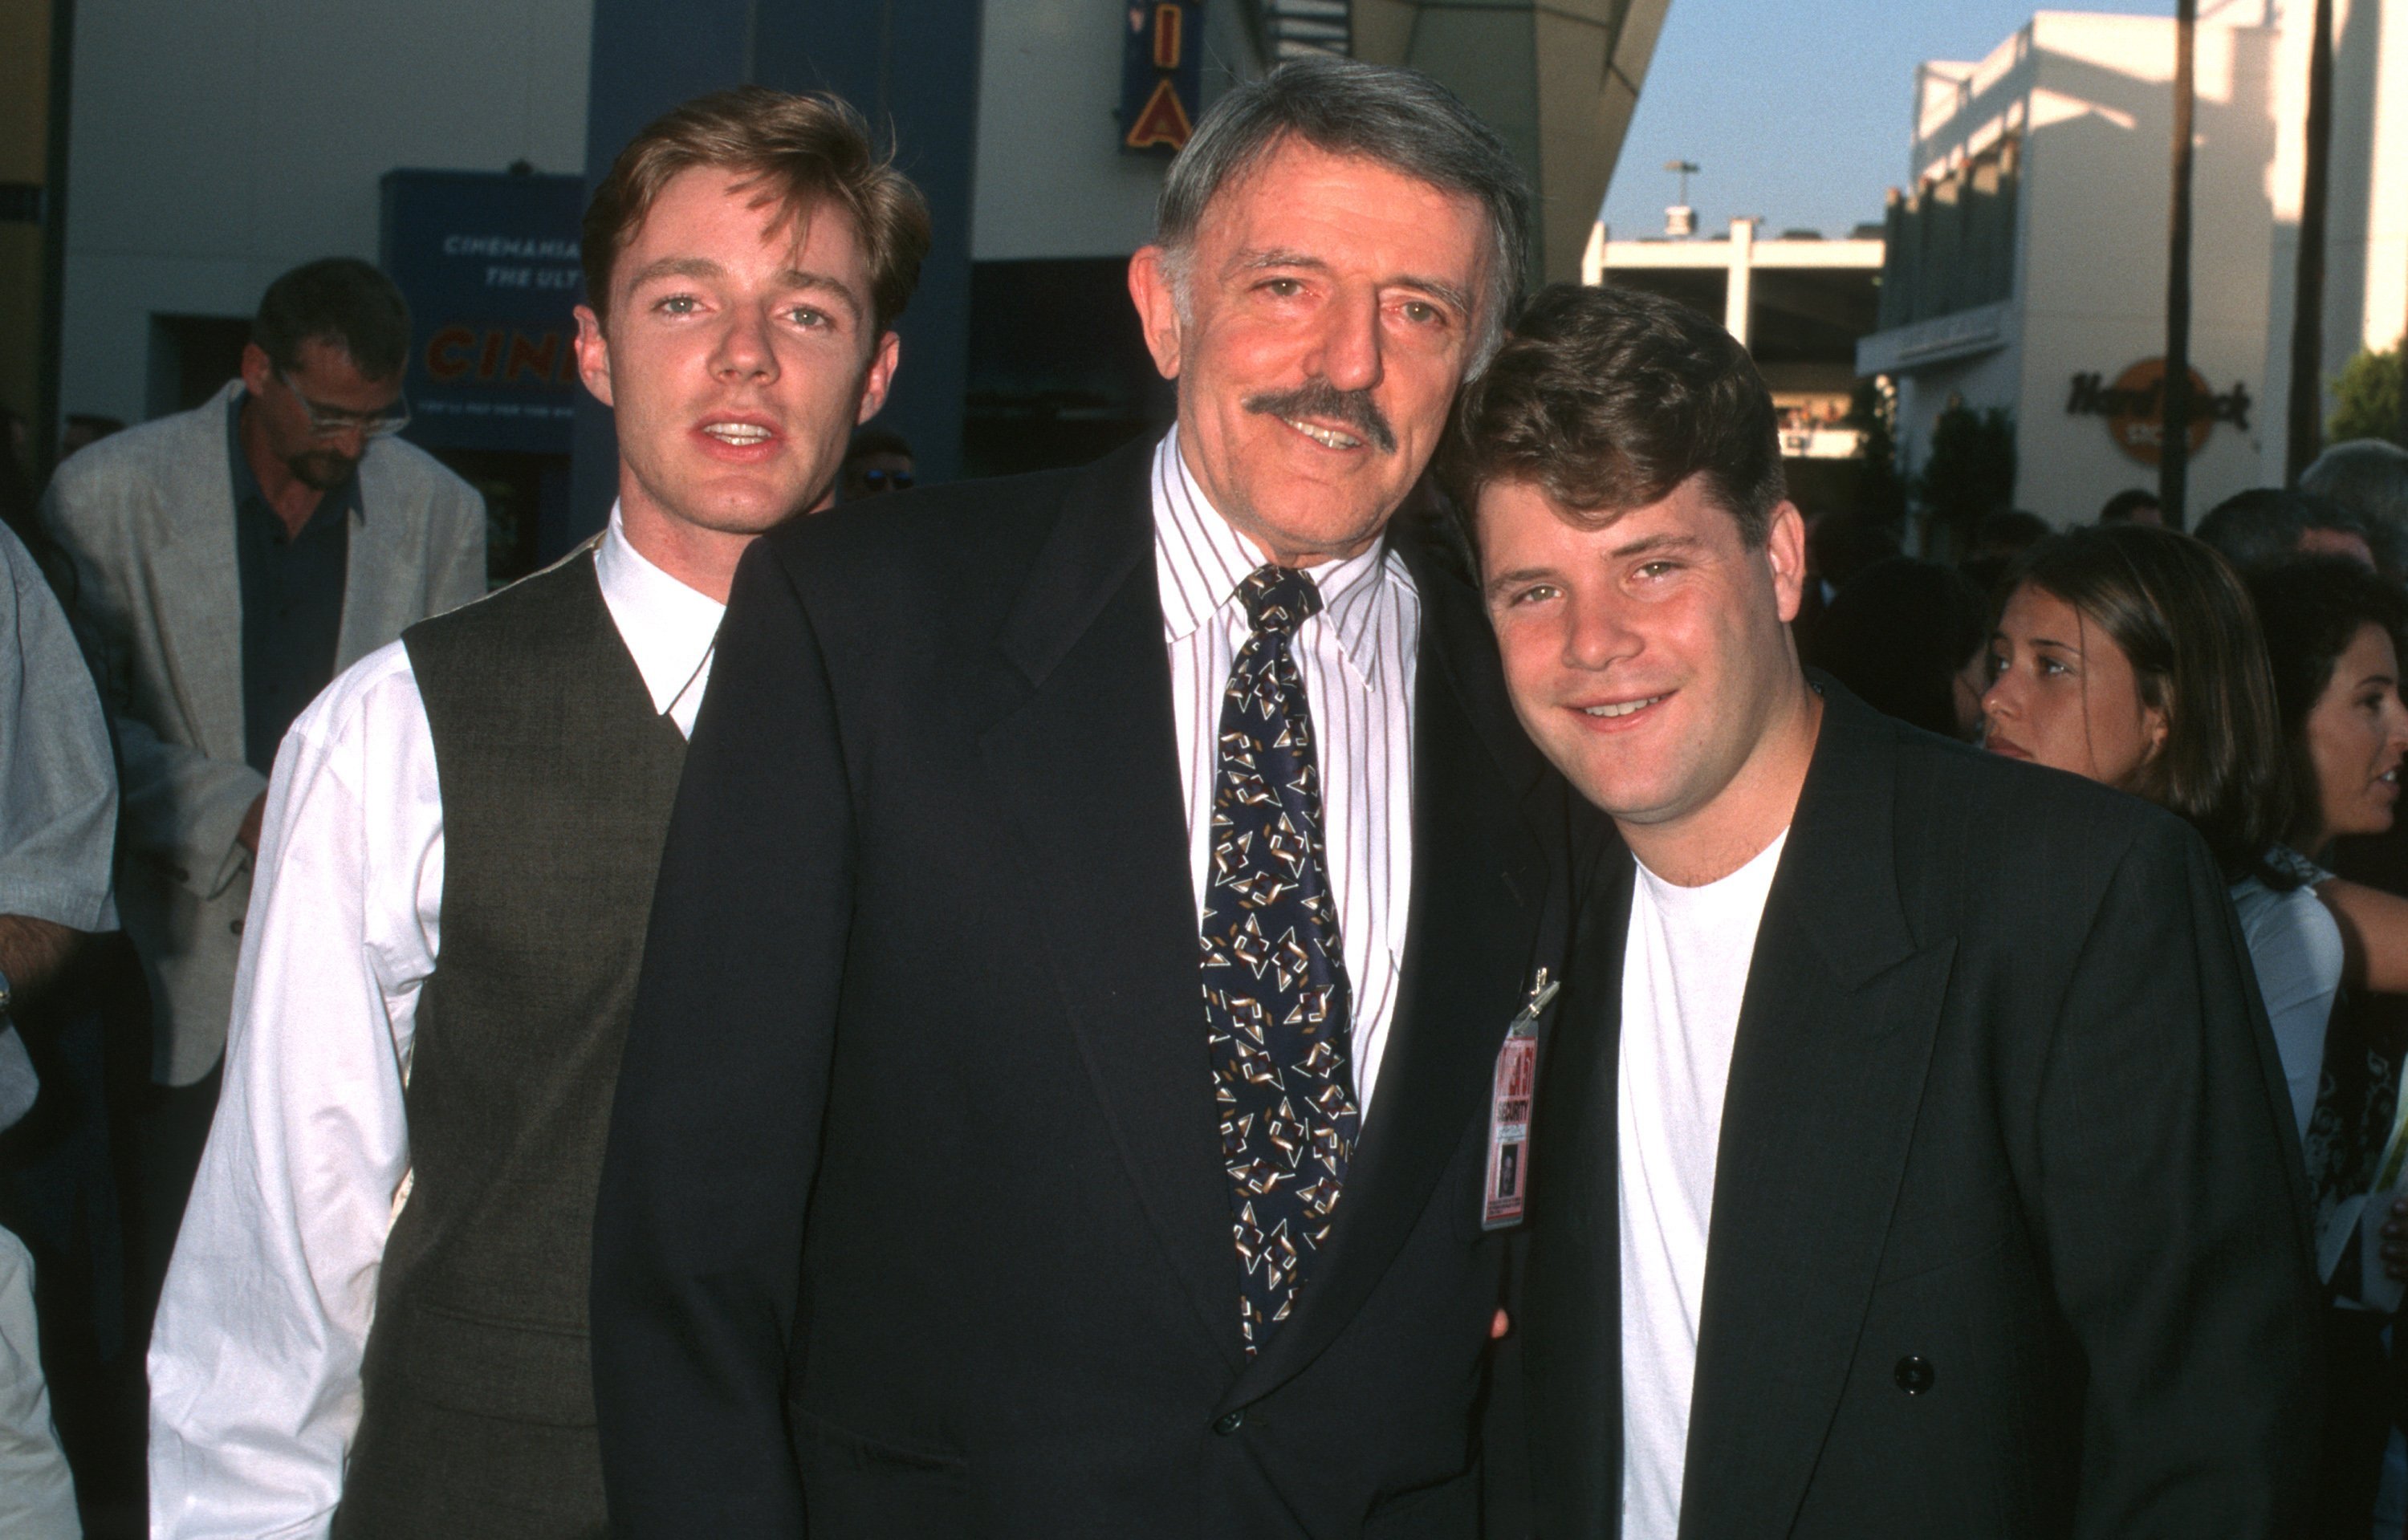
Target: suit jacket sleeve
x: 698, y: 1231
x: 456, y: 551
x: 178, y: 806
x: 2172, y: 1217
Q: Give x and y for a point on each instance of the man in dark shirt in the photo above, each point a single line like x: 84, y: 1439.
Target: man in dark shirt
x: 228, y: 561
x: 292, y: 573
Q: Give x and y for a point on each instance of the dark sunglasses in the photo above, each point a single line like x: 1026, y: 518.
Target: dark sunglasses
x: 877, y: 480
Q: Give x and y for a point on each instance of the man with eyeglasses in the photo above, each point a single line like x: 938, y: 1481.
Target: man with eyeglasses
x: 228, y: 561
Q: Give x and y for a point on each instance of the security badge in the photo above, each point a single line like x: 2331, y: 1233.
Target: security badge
x: 1506, y: 1193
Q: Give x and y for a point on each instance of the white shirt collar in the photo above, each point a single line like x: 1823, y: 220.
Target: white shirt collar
x: 669, y: 627
x: 1203, y: 559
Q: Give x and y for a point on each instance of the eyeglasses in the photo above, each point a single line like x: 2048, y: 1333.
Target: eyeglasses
x: 334, y: 422
x: 882, y: 480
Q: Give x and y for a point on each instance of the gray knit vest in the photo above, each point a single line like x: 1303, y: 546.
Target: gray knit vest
x: 557, y: 777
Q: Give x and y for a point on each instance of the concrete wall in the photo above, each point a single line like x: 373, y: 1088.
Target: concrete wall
x: 1051, y: 180
x: 2091, y: 96
x: 215, y: 144
x: 2094, y: 277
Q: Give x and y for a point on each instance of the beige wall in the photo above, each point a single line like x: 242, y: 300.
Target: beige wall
x: 1559, y: 78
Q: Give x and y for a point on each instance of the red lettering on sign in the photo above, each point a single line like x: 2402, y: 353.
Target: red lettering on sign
x: 1165, y: 39
x: 535, y: 356
x: 447, y: 350
x: 489, y: 362
x: 1164, y: 122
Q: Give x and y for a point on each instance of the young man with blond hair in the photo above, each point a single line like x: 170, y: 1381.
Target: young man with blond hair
x: 376, y: 1321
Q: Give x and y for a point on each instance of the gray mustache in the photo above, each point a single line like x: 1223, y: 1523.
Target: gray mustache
x: 1320, y: 398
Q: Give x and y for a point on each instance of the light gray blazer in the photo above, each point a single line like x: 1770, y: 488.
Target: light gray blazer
x: 147, y: 516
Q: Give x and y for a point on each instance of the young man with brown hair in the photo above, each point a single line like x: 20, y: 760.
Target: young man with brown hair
x: 1910, y: 1155
x: 457, y: 860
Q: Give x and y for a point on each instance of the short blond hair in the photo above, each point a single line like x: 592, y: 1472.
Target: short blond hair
x: 802, y: 152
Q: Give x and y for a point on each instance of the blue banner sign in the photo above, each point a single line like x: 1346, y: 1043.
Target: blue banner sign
x: 488, y: 262
x: 1162, y: 75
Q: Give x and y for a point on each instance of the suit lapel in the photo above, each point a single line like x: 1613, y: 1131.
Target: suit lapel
x: 1480, y: 886
x: 1085, y: 762
x: 376, y: 607
x: 197, y: 592
x: 1572, y: 1288
x: 1835, y: 1035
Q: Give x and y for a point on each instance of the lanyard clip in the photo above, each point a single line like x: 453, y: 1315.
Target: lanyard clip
x: 1542, y: 992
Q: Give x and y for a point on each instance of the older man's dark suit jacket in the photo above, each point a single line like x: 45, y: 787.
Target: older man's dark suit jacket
x: 913, y: 1219
x: 2008, y: 1235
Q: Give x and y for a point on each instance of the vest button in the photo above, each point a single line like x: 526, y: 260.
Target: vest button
x: 1915, y: 1374
x: 1229, y: 1423
x: 235, y: 926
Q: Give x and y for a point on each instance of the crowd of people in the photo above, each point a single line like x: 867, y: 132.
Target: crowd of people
x: 2245, y: 677
x: 1414, y: 957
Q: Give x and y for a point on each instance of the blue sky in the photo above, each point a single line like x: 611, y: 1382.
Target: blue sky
x: 1796, y: 112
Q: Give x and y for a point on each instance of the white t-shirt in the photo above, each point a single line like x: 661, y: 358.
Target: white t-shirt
x: 1684, y: 972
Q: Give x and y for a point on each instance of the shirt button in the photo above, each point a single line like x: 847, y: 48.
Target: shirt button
x: 1915, y: 1374
x: 1229, y: 1423
x: 235, y: 927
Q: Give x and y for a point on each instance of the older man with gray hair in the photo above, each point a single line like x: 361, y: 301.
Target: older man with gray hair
x: 1058, y: 1101
x: 2368, y: 477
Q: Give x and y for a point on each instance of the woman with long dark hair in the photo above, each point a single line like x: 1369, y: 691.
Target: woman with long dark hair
x: 2130, y: 654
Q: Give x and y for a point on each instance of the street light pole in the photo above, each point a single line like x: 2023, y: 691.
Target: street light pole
x: 2174, y: 455
x: 2306, y: 426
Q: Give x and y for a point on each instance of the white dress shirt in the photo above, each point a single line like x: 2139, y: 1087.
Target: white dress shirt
x: 1357, y: 659
x: 1685, y: 971
x: 255, y: 1356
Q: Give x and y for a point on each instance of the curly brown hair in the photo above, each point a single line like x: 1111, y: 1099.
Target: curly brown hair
x: 1608, y: 399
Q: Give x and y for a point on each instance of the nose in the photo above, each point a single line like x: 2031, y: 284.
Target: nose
x: 351, y: 441
x: 1999, y: 699
x: 1595, y: 634
x: 1349, y: 343
x: 745, y: 350
x: 2395, y: 720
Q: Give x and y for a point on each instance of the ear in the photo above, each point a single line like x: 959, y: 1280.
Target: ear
x: 1784, y: 547
x: 593, y: 355
x: 2154, y: 728
x: 881, y: 377
x: 256, y: 368
x: 1157, y: 309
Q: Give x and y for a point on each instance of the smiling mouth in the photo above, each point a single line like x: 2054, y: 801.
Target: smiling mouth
x: 1328, y: 438
x: 1622, y: 709
x: 740, y: 435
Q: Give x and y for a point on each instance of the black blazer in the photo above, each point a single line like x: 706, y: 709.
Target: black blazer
x: 914, y: 1218
x: 2009, y: 1235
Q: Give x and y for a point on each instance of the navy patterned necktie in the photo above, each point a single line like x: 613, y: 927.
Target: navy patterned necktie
x: 1276, y: 1004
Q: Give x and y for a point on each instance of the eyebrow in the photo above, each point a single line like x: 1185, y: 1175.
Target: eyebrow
x: 703, y: 267
x: 1517, y: 578
x: 1649, y: 544
x: 2038, y: 641
x: 1438, y: 289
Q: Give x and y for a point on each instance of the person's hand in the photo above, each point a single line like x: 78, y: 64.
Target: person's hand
x: 247, y: 835
x: 1503, y: 1323
x: 2395, y: 1242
